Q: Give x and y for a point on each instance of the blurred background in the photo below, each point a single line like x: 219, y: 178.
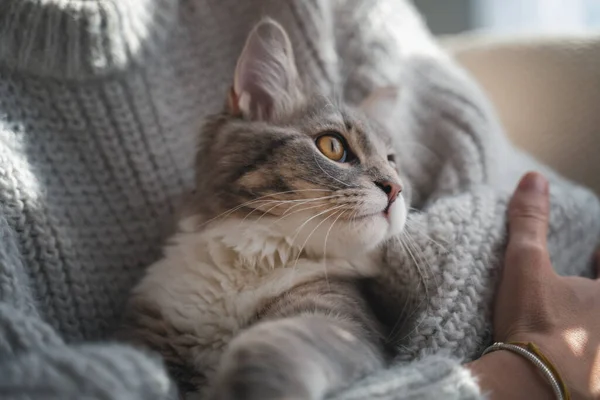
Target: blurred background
x: 511, y: 16
x: 539, y: 63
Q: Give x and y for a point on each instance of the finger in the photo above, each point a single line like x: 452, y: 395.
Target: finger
x: 528, y: 212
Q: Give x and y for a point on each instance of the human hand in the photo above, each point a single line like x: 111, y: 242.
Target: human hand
x: 561, y: 315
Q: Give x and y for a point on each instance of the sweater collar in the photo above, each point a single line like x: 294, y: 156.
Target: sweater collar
x: 79, y: 39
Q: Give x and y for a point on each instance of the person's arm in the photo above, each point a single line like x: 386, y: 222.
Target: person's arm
x: 35, y: 363
x: 391, y: 47
x: 505, y: 375
x: 432, y: 378
x: 534, y: 304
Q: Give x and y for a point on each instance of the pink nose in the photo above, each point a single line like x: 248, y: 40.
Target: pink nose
x: 392, y: 190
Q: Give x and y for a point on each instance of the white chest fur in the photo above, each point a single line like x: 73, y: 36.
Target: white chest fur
x: 210, y: 284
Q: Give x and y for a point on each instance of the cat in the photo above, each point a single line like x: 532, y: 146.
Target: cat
x: 260, y: 294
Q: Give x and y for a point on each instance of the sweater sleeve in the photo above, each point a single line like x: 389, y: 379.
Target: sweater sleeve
x: 82, y: 40
x: 376, y: 42
x: 35, y: 363
x: 462, y: 147
x: 72, y: 40
x: 432, y: 378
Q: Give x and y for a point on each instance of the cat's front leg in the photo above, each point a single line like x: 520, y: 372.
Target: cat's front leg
x: 299, y: 358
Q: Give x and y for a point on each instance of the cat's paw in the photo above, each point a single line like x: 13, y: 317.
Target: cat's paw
x: 259, y: 373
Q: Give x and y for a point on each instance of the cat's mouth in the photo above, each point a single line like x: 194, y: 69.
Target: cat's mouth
x: 394, y: 215
x: 383, y: 213
x: 386, y: 213
x: 367, y: 216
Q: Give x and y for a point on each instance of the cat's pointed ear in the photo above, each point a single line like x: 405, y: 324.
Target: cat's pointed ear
x: 266, y: 81
x: 381, y: 105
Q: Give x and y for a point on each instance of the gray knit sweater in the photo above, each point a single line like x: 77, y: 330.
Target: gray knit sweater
x: 100, y: 103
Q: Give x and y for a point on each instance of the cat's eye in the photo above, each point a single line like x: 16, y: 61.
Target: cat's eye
x: 391, y: 159
x: 332, y: 146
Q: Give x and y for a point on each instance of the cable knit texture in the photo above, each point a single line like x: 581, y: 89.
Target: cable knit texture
x: 100, y: 104
x: 81, y: 38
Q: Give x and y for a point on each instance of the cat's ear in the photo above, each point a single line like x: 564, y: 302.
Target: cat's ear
x: 266, y: 81
x: 381, y: 105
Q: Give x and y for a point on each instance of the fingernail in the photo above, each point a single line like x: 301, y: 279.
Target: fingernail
x: 534, y: 182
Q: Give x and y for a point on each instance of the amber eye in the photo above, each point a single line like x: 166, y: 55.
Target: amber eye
x: 333, y: 147
x: 392, y: 160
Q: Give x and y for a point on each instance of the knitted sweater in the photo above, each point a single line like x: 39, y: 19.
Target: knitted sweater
x: 100, y: 103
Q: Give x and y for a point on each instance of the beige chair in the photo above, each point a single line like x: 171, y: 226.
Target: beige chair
x: 547, y: 93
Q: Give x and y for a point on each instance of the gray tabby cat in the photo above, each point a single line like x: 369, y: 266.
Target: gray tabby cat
x: 261, y: 293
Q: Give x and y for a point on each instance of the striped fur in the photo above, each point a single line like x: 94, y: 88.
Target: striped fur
x: 261, y: 292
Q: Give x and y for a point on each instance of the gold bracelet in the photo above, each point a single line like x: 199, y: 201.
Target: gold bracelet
x: 533, y: 353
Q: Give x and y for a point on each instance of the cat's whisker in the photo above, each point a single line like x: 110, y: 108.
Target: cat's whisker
x: 269, y: 210
x: 422, y: 278
x: 417, y: 325
x: 416, y: 309
x: 328, y: 174
x: 419, y: 269
x: 400, y: 322
x: 310, y: 200
x: 395, y: 337
x: 422, y: 232
x: 279, y: 203
x: 299, y: 229
x: 292, y: 207
x: 392, y: 333
x: 228, y: 262
x: 423, y: 258
x: 436, y: 243
x: 358, y: 206
x: 325, y: 246
x: 412, y: 246
x: 423, y: 147
x: 310, y: 234
x: 353, y: 218
x: 297, y: 211
x: 233, y: 209
x: 320, y: 184
x: 263, y: 203
x: 300, y: 203
x: 400, y: 319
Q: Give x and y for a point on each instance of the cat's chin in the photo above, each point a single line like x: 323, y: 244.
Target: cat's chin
x: 348, y: 238
x: 370, y: 232
x: 397, y: 215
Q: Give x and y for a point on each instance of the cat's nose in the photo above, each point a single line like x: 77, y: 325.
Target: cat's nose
x: 392, y: 190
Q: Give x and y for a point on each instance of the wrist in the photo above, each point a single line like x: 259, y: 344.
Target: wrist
x: 505, y: 375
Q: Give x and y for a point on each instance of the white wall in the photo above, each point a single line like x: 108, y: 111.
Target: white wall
x: 511, y: 16
x: 447, y: 16
x: 526, y: 16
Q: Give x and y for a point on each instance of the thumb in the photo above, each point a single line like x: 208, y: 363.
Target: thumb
x: 528, y: 214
